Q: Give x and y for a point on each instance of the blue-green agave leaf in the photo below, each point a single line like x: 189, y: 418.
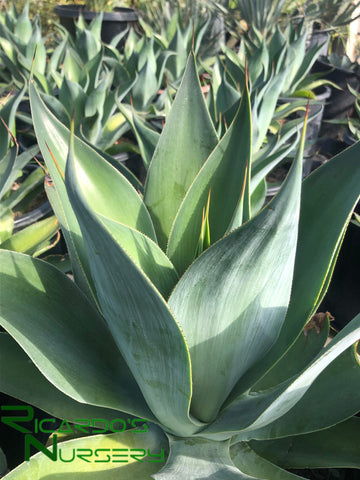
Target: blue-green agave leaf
x: 65, y: 337
x: 232, y: 301
x: 187, y: 139
x: 141, y: 323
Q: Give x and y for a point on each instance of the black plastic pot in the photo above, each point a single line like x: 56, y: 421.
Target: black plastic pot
x: 114, y: 22
x: 317, y: 38
x: 341, y: 101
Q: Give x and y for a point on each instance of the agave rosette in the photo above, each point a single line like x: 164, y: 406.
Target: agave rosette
x: 187, y: 310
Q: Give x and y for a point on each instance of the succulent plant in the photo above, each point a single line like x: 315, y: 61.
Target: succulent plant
x: 20, y: 37
x: 186, y: 310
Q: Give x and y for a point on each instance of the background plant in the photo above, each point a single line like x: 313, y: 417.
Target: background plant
x: 37, y: 237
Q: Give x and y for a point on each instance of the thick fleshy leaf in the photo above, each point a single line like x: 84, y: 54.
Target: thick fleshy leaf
x: 30, y: 238
x: 108, y: 192
x: 295, y: 54
x: 7, y: 113
x: 335, y: 447
x: 28, y: 189
x: 75, y: 245
x: 256, y: 410
x: 249, y: 462
x: 73, y: 98
x: 53, y: 139
x: 145, y: 253
x: 135, y: 182
x: 11, y: 166
x: 141, y: 323
x: 123, y: 215
x: 328, y: 197
x: 6, y: 167
x: 341, y: 376
x: 147, y: 138
x: 194, y: 459
x: 265, y: 110
x: 186, y: 142
x: 145, y: 88
x: 128, y: 455
x: 303, y: 71
x: 72, y: 66
x: 6, y: 225
x: 306, y: 347
x: 225, y: 170
x: 257, y: 198
x: 232, y: 301
x: 261, y: 168
x: 64, y: 335
x: 20, y: 379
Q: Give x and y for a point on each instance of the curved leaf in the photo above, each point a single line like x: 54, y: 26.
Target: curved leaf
x: 147, y: 138
x: 20, y: 379
x: 336, y: 447
x: 252, y: 411
x: 341, y: 376
x: 107, y: 191
x: 232, y: 300
x: 140, y: 321
x: 249, y: 462
x: 7, y: 113
x: 302, y: 352
x: 186, y: 142
x: 53, y: 139
x: 145, y: 253
x: 225, y: 170
x: 64, y: 335
x: 199, y: 459
x: 30, y: 238
x: 11, y: 166
x: 99, y: 457
x: 328, y: 197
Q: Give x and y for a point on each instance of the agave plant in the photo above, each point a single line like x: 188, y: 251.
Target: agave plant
x: 84, y: 86
x: 178, y: 38
x: 20, y: 37
x: 214, y: 359
x: 330, y: 14
x: 249, y: 17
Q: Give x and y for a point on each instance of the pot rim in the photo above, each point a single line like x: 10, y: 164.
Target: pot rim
x: 119, y: 14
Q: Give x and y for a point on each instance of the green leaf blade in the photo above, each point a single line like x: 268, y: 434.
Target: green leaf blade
x: 225, y: 170
x: 20, y: 379
x: 117, y: 446
x: 83, y: 350
x: 229, y: 331
x: 138, y: 317
x: 187, y: 140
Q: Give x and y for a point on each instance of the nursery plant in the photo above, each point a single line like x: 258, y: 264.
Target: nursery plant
x: 179, y: 38
x: 246, y: 17
x: 330, y: 14
x: 20, y: 36
x: 284, y: 51
x: 187, y: 311
x: 86, y: 86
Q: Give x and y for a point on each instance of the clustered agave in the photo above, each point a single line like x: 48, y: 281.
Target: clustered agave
x: 186, y: 310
